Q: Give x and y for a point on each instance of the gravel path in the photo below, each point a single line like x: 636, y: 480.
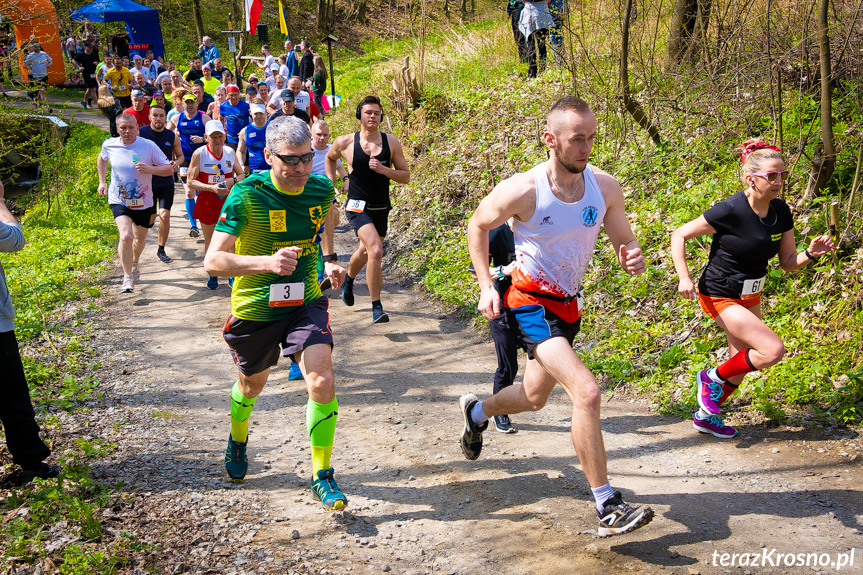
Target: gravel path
x: 416, y: 505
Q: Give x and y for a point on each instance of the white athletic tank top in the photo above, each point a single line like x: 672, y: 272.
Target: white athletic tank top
x: 213, y: 169
x: 553, y: 248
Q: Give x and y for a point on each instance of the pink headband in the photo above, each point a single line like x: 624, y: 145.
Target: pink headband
x: 754, y: 146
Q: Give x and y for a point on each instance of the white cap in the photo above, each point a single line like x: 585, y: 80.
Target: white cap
x: 258, y: 109
x: 214, y: 126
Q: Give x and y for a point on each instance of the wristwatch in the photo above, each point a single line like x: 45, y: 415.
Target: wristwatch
x: 810, y: 256
x: 330, y: 257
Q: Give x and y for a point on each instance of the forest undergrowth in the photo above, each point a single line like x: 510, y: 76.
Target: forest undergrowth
x: 479, y: 121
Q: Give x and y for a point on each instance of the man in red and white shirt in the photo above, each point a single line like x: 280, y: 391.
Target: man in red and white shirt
x: 213, y: 171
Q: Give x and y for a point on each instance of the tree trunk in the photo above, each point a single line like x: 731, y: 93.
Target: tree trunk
x: 689, y: 22
x: 361, y: 16
x: 824, y: 159
x: 321, y: 14
x: 631, y: 105
x: 199, y: 22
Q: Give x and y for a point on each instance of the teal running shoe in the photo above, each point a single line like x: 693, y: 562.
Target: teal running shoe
x: 294, y: 373
x: 236, y: 460
x: 325, y: 489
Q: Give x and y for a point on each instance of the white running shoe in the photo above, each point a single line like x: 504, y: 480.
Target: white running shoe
x: 127, y: 286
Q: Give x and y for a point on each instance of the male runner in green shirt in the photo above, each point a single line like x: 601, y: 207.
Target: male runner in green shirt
x: 266, y: 239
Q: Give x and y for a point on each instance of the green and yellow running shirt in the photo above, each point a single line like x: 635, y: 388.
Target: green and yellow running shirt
x: 266, y: 219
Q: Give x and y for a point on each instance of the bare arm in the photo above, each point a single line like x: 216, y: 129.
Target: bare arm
x: 790, y: 259
x: 617, y: 226
x: 194, y: 171
x: 220, y: 259
x: 333, y: 156
x: 242, y: 160
x: 335, y: 271
x: 515, y: 197
x: 178, y: 152
x: 102, y: 169
x: 692, y: 229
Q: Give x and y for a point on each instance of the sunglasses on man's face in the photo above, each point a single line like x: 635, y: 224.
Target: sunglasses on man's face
x: 294, y: 160
x: 772, y: 176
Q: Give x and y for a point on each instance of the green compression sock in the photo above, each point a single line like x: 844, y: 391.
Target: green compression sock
x: 321, y: 425
x: 241, y: 409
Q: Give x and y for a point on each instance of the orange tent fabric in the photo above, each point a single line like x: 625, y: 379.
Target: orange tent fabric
x: 36, y: 20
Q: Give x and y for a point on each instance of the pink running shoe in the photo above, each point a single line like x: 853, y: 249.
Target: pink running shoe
x: 713, y: 425
x: 709, y: 392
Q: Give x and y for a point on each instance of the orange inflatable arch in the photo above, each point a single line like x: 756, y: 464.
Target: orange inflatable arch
x: 36, y: 20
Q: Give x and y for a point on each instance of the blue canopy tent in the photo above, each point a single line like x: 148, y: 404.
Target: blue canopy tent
x: 142, y: 22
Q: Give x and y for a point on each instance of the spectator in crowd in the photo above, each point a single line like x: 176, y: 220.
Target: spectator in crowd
x: 319, y: 81
x: 16, y: 410
x: 208, y: 51
x: 269, y: 59
x: 37, y: 62
x: 534, y: 23
x: 307, y: 64
x: 513, y: 10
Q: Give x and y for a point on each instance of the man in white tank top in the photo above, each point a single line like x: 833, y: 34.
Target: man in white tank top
x: 558, y: 208
x: 213, y: 171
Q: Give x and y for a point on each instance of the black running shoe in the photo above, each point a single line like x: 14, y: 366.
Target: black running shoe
x: 326, y: 284
x: 163, y: 257
x: 471, y: 437
x: 44, y: 471
x: 348, y: 294
x: 503, y: 424
x: 618, y: 517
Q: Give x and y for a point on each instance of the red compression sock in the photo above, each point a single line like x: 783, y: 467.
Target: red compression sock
x: 737, y: 365
x: 727, y: 389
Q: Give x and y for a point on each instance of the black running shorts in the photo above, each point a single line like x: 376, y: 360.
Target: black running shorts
x: 140, y: 218
x: 255, y: 344
x: 370, y: 216
x: 533, y: 324
x: 163, y: 196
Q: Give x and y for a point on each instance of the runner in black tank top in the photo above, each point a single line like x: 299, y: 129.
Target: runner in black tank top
x: 368, y: 204
x: 367, y: 185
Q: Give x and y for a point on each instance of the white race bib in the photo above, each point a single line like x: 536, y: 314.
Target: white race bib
x: 92, y: 75
x: 121, y: 88
x: 287, y: 295
x: 216, y: 178
x: 356, y: 206
x: 752, y: 288
x: 134, y: 202
x: 184, y: 171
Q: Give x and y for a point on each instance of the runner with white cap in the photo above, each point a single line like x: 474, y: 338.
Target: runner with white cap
x: 213, y: 170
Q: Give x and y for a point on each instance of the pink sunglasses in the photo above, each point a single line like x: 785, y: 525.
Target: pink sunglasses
x: 772, y: 176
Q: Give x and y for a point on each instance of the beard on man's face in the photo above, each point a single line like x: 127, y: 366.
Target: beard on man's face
x: 570, y: 167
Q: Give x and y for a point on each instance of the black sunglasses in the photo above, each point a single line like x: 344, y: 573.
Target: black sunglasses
x: 294, y: 160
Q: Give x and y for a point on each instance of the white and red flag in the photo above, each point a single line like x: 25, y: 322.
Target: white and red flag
x: 253, y: 14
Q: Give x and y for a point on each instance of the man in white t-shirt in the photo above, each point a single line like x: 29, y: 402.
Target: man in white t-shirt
x: 320, y: 146
x: 133, y: 162
x: 301, y: 97
x: 269, y: 59
x: 138, y: 66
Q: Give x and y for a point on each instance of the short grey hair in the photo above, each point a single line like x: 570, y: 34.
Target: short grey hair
x: 206, y: 39
x: 288, y: 130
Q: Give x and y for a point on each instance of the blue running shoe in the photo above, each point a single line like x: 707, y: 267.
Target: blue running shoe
x: 379, y: 315
x: 236, y: 460
x: 213, y: 282
x: 325, y: 489
x: 294, y: 372
x: 231, y: 282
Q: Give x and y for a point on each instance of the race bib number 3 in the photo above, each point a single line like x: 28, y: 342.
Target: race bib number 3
x: 356, y: 206
x: 287, y: 295
x: 752, y: 288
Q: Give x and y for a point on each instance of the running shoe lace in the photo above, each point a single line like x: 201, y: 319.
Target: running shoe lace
x: 715, y: 390
x: 716, y: 420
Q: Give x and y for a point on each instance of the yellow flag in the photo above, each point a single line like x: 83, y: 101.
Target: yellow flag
x: 282, y: 25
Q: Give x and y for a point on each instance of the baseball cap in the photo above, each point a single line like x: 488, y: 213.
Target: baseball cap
x: 190, y: 97
x: 258, y: 109
x: 138, y: 94
x: 214, y: 126
x: 288, y: 95
x: 251, y: 89
x: 232, y: 88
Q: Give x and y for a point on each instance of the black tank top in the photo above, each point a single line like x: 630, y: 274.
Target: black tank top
x: 366, y: 184
x: 165, y: 141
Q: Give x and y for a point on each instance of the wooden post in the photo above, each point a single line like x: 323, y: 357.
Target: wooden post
x: 329, y: 40
x: 834, y: 218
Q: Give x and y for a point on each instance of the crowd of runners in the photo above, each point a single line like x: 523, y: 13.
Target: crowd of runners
x: 260, y: 179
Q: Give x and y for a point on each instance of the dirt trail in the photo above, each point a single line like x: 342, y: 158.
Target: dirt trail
x: 416, y: 505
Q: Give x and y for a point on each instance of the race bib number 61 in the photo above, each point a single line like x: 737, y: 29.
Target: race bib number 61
x: 752, y: 288
x: 287, y: 295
